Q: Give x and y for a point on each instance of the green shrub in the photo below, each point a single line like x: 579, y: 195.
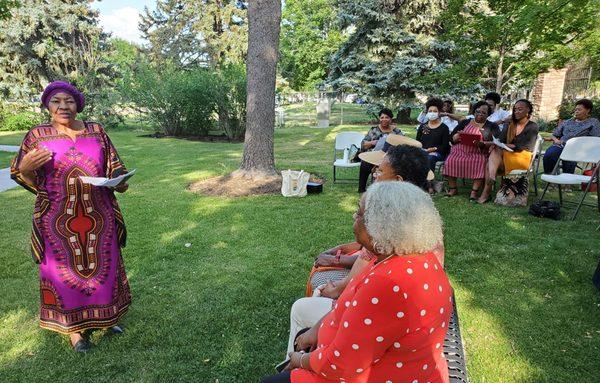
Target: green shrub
x: 19, y: 121
x: 565, y: 110
x: 190, y: 102
x: 547, y: 126
x: 231, y: 101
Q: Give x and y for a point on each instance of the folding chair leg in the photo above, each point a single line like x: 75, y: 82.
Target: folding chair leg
x: 544, y: 192
x: 587, y: 189
x: 560, y: 195
x: 334, y: 174
x: 598, y: 191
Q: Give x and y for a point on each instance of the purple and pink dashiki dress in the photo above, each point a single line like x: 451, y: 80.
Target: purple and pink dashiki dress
x: 78, y: 230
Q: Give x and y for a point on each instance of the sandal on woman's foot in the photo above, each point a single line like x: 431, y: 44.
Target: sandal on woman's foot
x: 473, y: 197
x: 486, y: 200
x: 116, y: 329
x: 450, y: 192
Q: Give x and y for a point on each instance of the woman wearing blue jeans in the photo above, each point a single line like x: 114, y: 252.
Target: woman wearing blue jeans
x: 580, y: 125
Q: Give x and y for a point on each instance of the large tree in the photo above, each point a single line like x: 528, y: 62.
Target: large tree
x: 507, y: 43
x: 191, y: 32
x: 391, y: 46
x: 49, y: 40
x: 264, y: 17
x: 309, y: 37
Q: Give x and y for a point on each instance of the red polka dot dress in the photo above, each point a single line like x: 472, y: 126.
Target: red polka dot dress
x: 388, y: 326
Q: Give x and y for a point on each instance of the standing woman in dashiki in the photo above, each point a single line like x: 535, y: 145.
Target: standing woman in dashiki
x: 78, y: 228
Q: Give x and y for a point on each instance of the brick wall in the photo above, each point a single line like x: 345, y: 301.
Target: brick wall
x: 547, y: 93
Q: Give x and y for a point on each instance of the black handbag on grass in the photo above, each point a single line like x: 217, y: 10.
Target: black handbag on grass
x: 545, y: 209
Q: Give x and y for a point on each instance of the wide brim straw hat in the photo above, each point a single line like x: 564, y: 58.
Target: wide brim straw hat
x: 397, y: 139
x: 376, y: 157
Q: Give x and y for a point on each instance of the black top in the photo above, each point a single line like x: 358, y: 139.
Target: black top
x: 434, y: 138
x: 525, y: 140
x: 489, y: 129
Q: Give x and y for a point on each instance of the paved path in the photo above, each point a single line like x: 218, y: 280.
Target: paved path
x: 5, y: 181
x: 9, y: 148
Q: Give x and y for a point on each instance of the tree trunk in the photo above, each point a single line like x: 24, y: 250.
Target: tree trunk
x: 264, y: 18
x: 403, y: 116
x: 500, y: 71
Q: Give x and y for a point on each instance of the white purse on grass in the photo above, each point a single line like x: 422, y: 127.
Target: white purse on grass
x: 294, y: 183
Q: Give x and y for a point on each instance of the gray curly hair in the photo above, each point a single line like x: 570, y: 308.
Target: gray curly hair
x: 401, y: 218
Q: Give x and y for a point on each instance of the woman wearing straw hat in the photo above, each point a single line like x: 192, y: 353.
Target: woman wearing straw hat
x: 78, y: 229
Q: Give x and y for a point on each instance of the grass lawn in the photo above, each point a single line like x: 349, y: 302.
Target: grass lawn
x: 5, y: 158
x: 218, y: 311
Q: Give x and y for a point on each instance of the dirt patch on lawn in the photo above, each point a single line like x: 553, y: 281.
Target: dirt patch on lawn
x: 243, y: 184
x: 237, y: 184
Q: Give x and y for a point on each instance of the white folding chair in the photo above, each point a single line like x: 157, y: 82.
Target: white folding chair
x: 533, y: 165
x: 578, y: 149
x: 343, y: 142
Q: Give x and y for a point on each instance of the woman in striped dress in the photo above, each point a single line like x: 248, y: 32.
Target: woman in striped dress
x: 468, y: 160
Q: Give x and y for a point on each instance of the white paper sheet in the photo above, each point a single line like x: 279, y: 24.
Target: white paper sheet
x: 107, y: 182
x: 500, y: 144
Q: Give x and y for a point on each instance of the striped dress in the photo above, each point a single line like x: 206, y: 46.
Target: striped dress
x: 466, y: 161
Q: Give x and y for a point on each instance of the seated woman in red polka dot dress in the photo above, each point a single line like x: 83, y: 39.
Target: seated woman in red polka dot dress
x: 390, y: 322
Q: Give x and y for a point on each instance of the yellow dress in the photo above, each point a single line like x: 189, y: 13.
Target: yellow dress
x: 516, y: 160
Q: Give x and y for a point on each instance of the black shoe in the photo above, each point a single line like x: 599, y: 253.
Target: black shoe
x: 116, y: 330
x: 82, y: 346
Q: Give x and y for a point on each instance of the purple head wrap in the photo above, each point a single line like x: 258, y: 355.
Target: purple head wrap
x: 63, y: 87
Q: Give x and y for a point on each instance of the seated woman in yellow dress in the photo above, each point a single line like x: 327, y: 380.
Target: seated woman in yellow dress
x: 520, y: 136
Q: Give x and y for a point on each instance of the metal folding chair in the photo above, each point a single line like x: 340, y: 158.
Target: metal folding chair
x: 343, y: 142
x: 533, y: 165
x: 578, y: 149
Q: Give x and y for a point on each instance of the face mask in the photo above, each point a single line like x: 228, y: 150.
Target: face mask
x: 432, y: 116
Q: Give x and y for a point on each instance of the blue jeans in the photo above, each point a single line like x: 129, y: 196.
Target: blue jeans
x: 433, y: 158
x: 551, y: 158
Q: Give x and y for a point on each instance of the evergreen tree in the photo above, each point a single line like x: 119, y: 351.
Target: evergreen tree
x: 191, y: 32
x: 56, y: 40
x: 391, y: 48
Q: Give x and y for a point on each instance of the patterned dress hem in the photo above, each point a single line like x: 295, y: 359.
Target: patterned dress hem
x: 99, y: 324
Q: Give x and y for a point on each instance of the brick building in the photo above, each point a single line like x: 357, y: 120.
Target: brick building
x: 552, y: 87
